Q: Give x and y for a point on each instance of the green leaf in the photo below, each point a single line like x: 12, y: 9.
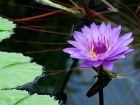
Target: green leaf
x: 6, y: 28
x: 16, y: 70
x: 17, y: 97
x: 106, y: 73
x: 12, y: 58
x: 55, y: 5
x: 110, y: 74
x: 6, y: 25
x: 9, y: 97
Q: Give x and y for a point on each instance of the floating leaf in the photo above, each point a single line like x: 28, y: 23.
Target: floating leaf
x: 9, y: 97
x: 12, y: 58
x: 6, y: 25
x: 52, y: 4
x: 16, y: 70
x: 6, y: 28
x: 17, y: 97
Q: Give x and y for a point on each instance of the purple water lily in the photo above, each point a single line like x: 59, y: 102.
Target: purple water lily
x: 99, y: 45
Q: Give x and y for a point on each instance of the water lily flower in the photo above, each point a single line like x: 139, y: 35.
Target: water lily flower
x: 99, y: 45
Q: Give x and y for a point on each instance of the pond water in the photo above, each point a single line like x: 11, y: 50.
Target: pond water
x: 46, y: 47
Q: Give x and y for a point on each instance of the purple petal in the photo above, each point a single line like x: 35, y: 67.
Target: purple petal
x: 116, y: 31
x: 101, y: 57
x: 125, y: 42
x: 87, y: 33
x: 75, y: 53
x: 120, y: 55
x: 88, y: 56
x: 108, y: 65
x: 96, y: 34
x: 116, y: 57
x: 115, y: 34
x: 119, y: 44
x: 102, y: 27
x: 127, y: 51
x: 107, y: 32
x: 126, y: 36
x: 77, y: 56
x: 88, y: 63
x: 77, y: 45
x: 119, y: 50
x: 78, y: 36
x: 71, y: 50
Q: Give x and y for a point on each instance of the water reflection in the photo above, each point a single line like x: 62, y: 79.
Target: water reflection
x: 118, y: 92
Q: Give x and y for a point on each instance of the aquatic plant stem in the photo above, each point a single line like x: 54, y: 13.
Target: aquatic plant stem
x: 75, y: 61
x: 61, y: 96
x: 101, y: 94
x: 38, y: 16
x: 87, y: 10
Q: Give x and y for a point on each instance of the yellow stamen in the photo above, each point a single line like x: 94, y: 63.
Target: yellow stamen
x: 93, y: 54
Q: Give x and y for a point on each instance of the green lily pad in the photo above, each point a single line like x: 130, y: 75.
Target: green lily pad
x: 6, y: 25
x: 17, y: 97
x: 6, y: 28
x: 16, y: 70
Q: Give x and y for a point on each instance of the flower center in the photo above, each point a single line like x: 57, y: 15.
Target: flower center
x: 93, y: 54
x: 97, y: 49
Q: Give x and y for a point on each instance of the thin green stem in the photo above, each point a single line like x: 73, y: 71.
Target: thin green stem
x: 61, y: 96
x: 75, y: 61
x: 101, y: 94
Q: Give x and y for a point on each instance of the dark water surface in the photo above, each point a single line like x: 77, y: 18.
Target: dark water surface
x: 46, y: 49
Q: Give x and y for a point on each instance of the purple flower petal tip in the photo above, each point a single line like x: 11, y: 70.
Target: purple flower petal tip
x: 65, y: 50
x: 108, y: 65
x: 88, y: 63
